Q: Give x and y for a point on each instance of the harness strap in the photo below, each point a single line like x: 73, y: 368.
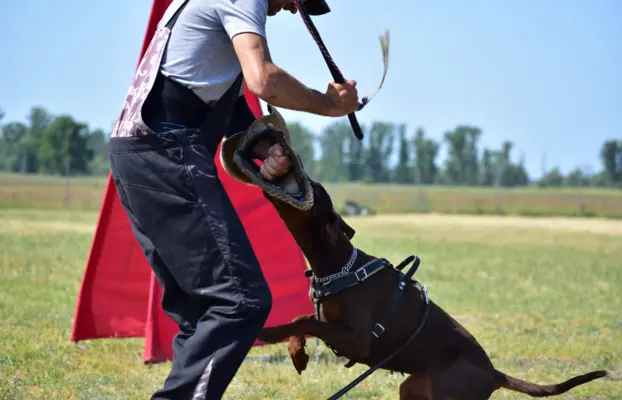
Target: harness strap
x: 355, y: 277
x: 176, y: 103
x: 379, y: 328
x: 320, y: 289
x: 352, y: 279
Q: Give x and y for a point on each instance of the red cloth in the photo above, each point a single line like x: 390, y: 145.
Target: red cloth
x: 120, y: 297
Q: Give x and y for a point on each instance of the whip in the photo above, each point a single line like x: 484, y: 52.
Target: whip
x: 334, y: 70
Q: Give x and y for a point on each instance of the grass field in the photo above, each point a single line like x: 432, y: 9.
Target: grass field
x: 86, y: 193
x: 541, y: 295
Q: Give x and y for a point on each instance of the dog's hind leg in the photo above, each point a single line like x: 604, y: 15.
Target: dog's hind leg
x: 414, y: 388
x: 461, y: 380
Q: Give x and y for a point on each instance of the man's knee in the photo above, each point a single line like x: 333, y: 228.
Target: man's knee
x: 258, y: 297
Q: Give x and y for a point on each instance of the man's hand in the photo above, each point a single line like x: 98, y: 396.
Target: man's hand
x: 276, y: 164
x: 343, y: 97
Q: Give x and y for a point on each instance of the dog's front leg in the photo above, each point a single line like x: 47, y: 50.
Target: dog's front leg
x: 296, y: 347
x: 345, y: 341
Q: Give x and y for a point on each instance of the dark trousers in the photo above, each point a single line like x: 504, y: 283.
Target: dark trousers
x: 196, y: 245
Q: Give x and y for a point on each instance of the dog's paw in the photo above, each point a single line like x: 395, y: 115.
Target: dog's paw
x: 297, y: 353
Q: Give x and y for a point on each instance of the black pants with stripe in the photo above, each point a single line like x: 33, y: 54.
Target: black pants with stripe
x: 196, y: 245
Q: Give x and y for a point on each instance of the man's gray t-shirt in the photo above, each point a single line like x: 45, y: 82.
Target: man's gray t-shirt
x: 200, y: 53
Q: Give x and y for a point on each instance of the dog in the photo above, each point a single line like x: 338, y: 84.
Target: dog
x: 442, y: 361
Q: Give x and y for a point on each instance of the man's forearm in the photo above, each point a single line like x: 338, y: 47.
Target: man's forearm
x: 272, y: 84
x: 283, y: 90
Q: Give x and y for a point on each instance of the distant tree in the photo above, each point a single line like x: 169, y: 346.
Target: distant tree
x: 599, y: 180
x: 331, y: 165
x: 355, y: 157
x: 426, y: 150
x: 303, y: 142
x: 12, y: 147
x: 380, y: 147
x: 462, y: 162
x: 403, y: 169
x: 64, y: 147
x: 454, y: 164
x: 487, y: 172
x: 504, y: 164
x: 38, y: 120
x: 519, y: 173
x: 553, y: 178
x: 611, y: 157
x: 97, y: 145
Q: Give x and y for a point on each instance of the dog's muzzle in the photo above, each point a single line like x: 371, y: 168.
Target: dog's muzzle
x: 238, y: 155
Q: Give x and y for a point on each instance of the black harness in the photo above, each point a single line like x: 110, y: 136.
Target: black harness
x: 345, y: 279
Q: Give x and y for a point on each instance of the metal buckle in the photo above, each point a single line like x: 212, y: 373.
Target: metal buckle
x: 357, y: 274
x: 380, y: 327
x: 316, y: 294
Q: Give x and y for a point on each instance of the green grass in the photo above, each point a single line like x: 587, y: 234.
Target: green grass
x: 86, y: 193
x: 542, y: 296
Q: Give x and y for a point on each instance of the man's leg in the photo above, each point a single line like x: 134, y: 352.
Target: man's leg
x: 183, y: 210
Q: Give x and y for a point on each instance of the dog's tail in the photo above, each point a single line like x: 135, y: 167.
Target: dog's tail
x: 535, y: 390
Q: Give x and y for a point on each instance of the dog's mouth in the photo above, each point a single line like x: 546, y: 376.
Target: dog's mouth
x: 293, y: 187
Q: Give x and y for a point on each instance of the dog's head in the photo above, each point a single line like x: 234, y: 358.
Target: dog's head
x: 240, y: 152
x: 303, y: 205
x: 331, y: 223
x: 322, y: 235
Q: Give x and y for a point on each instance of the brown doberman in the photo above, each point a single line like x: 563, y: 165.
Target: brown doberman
x: 356, y: 314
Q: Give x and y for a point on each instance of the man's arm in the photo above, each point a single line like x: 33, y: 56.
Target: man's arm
x: 244, y: 21
x: 272, y: 84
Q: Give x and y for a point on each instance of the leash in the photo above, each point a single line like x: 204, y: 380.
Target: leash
x: 407, y: 277
x: 334, y: 70
x: 373, y: 369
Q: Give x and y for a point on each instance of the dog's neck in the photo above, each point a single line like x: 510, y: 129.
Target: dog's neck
x: 319, y: 235
x: 330, y: 259
x: 327, y: 260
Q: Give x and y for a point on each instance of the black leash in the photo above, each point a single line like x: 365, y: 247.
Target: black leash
x: 383, y: 362
x: 391, y: 307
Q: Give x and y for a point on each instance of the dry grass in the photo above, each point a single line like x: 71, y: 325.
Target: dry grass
x: 86, y: 193
x: 542, y: 296
x: 592, y: 225
x: 588, y: 202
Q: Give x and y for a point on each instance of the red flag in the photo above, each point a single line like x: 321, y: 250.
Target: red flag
x: 120, y: 297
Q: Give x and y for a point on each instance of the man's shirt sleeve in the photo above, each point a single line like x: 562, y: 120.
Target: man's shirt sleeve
x: 243, y: 16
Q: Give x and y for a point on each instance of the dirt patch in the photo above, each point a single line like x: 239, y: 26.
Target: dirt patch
x: 593, y: 225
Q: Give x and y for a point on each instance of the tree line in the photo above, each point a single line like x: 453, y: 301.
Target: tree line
x: 63, y: 145
x: 388, y: 154
x: 52, y: 144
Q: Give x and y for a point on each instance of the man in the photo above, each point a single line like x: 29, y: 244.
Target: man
x: 186, y: 95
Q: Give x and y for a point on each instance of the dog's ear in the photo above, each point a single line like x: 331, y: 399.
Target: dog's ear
x: 330, y: 232
x: 332, y: 229
x: 345, y: 228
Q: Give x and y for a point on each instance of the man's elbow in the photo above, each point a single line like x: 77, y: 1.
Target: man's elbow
x: 263, y: 83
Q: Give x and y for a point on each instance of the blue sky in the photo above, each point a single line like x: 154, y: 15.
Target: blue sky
x: 545, y: 74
